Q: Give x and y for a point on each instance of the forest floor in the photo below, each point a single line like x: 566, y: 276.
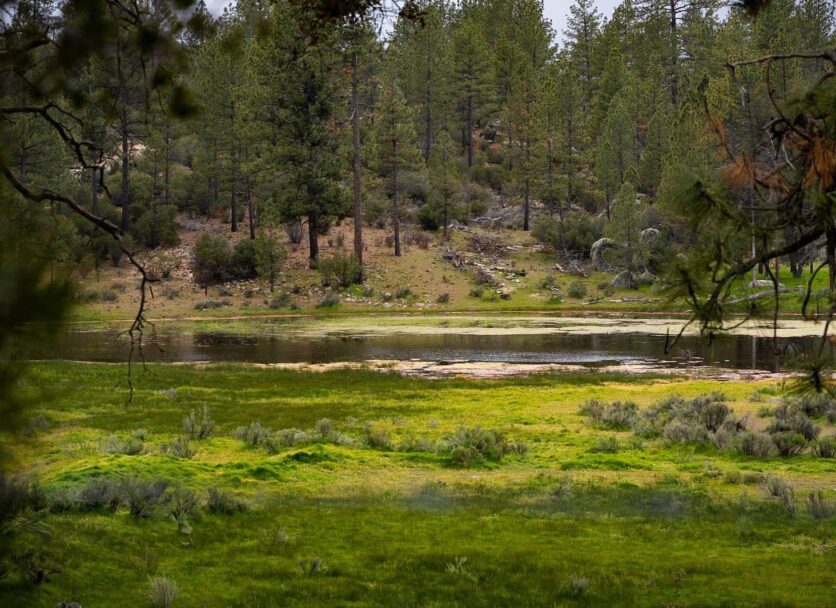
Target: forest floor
x: 531, y: 279
x: 366, y: 509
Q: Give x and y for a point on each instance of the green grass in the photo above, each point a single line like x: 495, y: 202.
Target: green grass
x: 649, y: 525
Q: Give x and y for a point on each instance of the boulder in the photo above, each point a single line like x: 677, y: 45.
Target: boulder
x: 625, y: 280
x: 596, y: 252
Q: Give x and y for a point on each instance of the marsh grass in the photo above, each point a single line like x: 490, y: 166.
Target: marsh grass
x: 387, y: 520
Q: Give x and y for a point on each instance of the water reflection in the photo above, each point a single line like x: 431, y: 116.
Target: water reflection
x: 743, y: 352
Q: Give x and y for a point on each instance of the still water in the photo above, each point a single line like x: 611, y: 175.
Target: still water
x: 557, y: 345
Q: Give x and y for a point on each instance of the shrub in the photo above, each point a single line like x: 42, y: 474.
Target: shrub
x: 788, y: 443
x: 328, y: 301
x: 220, y: 501
x: 324, y: 428
x: 577, y: 290
x: 683, y: 431
x: 179, y: 448
x: 141, y: 496
x: 818, y: 507
x: 476, y: 292
x: 127, y: 447
x: 157, y: 227
x: 211, y: 260
x: 199, y: 429
x: 793, y: 421
x: 443, y: 299
x: 758, y: 445
x: 340, y: 270
x: 607, y: 445
x: 163, y: 591
x: 619, y: 415
x: 714, y: 414
x: 816, y: 405
x: 825, y: 447
x: 285, y: 438
x: 210, y: 305
x: 281, y: 300
x: 99, y: 493
x: 253, y: 434
x: 294, y: 231
x: 403, y: 293
x: 377, y: 436
x: 778, y: 488
x: 471, y: 446
x: 183, y: 503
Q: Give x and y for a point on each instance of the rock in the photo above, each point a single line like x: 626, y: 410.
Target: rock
x: 596, y: 252
x: 649, y: 234
x: 646, y: 278
x: 625, y: 280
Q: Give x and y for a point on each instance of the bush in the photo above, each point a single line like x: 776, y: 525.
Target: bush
x: 818, y: 507
x: 377, y: 436
x: 294, y: 231
x: 469, y: 447
x: 157, y: 227
x: 758, y: 445
x: 211, y: 304
x: 282, y: 300
x: 183, y: 503
x: 127, y: 447
x: 179, y: 448
x: 825, y: 447
x: 617, y: 415
x: 776, y: 487
x: 253, y: 434
x: 99, y: 493
x: 324, y: 428
x: 141, y: 496
x: 682, y: 431
x: 790, y: 420
x: 340, y: 270
x: 329, y: 300
x: 577, y: 290
x: 285, y: 438
x: 244, y: 260
x: 219, y: 501
x: 199, y: 429
x: 163, y: 591
x: 607, y: 445
x: 443, y: 299
x: 211, y: 260
x: 713, y: 414
x: 788, y: 443
x: 477, y: 292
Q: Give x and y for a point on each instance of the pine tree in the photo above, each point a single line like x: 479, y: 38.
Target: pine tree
x: 395, y: 151
x: 473, y: 78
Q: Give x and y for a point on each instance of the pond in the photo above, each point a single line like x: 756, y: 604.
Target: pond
x: 581, y: 341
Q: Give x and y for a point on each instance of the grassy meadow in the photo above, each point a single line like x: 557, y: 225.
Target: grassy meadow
x: 365, y: 504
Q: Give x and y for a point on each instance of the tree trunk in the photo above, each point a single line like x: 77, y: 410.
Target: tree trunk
x: 356, y: 165
x: 251, y: 210
x: 527, y: 195
x: 428, y: 119
x: 94, y: 192
x: 469, y: 131
x: 167, y: 165
x: 124, y: 195
x: 234, y: 189
x: 674, y: 54
x: 396, y: 216
x: 313, y: 240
